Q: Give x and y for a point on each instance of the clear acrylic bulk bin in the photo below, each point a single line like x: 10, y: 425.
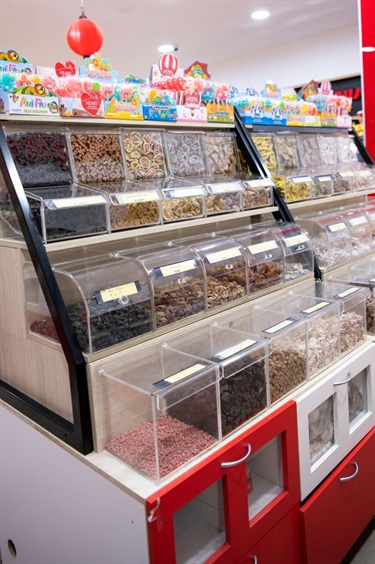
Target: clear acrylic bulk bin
x: 287, y: 336
x: 293, y: 185
x: 225, y: 270
x: 343, y: 182
x: 178, y: 285
x: 257, y: 193
x: 182, y: 199
x: 185, y: 153
x: 328, y: 149
x: 221, y: 153
x: 346, y: 150
x: 224, y: 194
x: 370, y: 212
x: 322, y: 185
x: 323, y: 317
x: 242, y: 361
x: 360, y: 231
x: 264, y: 143
x: 108, y: 300
x: 352, y: 301
x: 144, y: 152
x: 264, y: 258
x: 158, y: 409
x: 97, y: 156
x: 41, y: 155
x: 308, y: 149
x: 286, y: 146
x: 361, y: 274
x: 298, y: 250
x: 331, y: 239
x: 132, y: 204
x: 66, y: 212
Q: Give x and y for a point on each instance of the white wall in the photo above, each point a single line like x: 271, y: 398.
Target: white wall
x: 333, y: 54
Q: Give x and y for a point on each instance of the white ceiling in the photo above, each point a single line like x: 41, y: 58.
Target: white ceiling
x: 208, y: 30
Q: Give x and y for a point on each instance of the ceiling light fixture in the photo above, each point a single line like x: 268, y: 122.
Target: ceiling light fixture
x: 368, y: 49
x: 260, y: 15
x: 166, y: 48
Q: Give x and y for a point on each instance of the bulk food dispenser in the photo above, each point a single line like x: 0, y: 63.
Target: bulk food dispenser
x: 241, y: 358
x: 158, y: 409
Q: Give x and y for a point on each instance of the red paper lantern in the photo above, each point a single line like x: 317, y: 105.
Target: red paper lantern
x: 84, y: 36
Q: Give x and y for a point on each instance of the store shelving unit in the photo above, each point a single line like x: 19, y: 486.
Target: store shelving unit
x: 247, y: 488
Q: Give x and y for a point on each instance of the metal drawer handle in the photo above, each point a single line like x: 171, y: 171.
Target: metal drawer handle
x: 350, y: 377
x: 345, y: 479
x: 229, y: 464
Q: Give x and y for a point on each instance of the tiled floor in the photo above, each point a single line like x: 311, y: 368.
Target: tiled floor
x: 363, y: 551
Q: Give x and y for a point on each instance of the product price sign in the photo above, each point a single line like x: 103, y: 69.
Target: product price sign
x: 192, y: 192
x: 346, y: 293
x: 333, y: 227
x: 137, y: 197
x: 346, y: 174
x: 297, y: 243
x: 118, y: 292
x: 259, y: 183
x: 178, y: 376
x: 230, y: 351
x: 262, y: 247
x: 301, y: 179
x: 223, y: 187
x: 314, y: 308
x: 281, y: 325
x: 324, y: 178
x: 176, y: 268
x: 219, y: 256
x: 63, y: 203
x: 354, y: 221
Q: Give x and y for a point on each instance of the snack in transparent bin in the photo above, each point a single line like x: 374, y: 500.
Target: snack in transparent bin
x: 185, y: 153
x: 221, y: 152
x: 97, y: 156
x: 328, y: 149
x: 308, y: 149
x: 286, y: 151
x: 144, y: 154
x: 265, y: 147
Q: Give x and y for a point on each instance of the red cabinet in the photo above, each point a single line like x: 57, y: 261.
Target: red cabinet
x: 222, y: 507
x: 281, y: 544
x: 339, y: 510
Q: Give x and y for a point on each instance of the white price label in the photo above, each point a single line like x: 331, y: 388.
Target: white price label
x: 226, y: 353
x: 280, y: 325
x: 357, y: 221
x: 296, y: 240
x: 179, y: 375
x: 185, y: 192
x: 177, y: 268
x: 323, y: 178
x: 137, y: 197
x: 364, y: 173
x: 316, y: 307
x: 119, y: 291
x: 223, y: 255
x: 347, y: 292
x: 262, y: 247
x: 336, y: 227
x: 261, y: 183
x: 62, y: 203
x: 346, y: 174
x: 301, y: 179
x: 223, y: 187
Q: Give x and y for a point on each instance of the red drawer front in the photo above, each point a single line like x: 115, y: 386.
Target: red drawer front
x: 336, y: 514
x: 281, y: 544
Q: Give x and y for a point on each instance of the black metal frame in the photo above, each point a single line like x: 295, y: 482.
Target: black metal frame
x: 361, y: 148
x: 251, y: 155
x: 79, y: 433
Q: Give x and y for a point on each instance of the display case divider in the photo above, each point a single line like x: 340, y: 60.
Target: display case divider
x: 361, y: 148
x: 256, y: 165
x: 78, y: 435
